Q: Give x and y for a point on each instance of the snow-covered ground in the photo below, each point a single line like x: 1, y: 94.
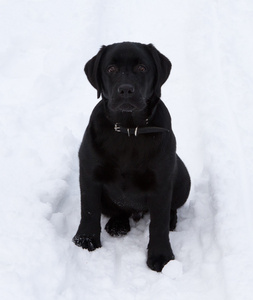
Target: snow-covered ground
x: 45, y: 103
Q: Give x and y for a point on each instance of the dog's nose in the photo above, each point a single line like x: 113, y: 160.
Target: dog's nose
x: 126, y: 90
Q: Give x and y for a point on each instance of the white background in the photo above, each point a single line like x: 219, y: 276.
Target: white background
x: 45, y: 103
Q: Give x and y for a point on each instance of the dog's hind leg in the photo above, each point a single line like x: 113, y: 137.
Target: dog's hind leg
x: 173, y: 219
x: 181, y: 187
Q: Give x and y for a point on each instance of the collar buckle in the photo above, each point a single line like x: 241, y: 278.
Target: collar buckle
x: 117, y: 127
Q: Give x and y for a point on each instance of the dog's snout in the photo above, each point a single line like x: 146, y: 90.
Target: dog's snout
x: 126, y: 90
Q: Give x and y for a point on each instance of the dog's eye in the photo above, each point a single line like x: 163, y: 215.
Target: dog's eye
x: 112, y: 69
x: 141, y: 68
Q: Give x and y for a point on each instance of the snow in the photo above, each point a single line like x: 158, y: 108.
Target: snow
x: 45, y: 103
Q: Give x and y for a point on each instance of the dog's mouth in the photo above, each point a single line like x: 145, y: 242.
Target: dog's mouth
x: 126, y: 107
x: 131, y: 106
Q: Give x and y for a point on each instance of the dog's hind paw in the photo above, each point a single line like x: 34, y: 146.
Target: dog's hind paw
x: 89, y: 243
x: 118, y: 226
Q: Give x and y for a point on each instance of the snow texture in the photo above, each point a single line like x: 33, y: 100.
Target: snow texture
x: 45, y: 103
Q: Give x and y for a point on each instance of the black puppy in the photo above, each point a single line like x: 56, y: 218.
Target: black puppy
x: 128, y: 160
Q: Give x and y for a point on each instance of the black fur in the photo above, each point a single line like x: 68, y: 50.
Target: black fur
x: 122, y: 176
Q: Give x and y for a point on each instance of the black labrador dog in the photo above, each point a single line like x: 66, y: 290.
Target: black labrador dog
x: 128, y: 160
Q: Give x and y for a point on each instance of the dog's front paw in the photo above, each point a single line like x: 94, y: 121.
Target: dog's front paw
x: 159, y: 256
x: 86, y: 242
x: 156, y: 263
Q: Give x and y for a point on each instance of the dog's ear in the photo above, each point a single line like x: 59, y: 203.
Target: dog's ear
x: 163, y: 67
x: 91, y: 70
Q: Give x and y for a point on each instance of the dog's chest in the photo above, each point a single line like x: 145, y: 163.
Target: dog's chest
x: 128, y: 165
x: 126, y: 176
x: 125, y: 185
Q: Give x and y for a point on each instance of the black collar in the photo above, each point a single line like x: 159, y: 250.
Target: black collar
x: 138, y: 130
x: 141, y: 130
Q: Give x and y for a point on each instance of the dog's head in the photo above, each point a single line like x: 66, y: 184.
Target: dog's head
x: 129, y: 75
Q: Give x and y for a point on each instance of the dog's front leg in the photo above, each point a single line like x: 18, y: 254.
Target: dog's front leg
x: 159, y: 248
x: 88, y: 233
